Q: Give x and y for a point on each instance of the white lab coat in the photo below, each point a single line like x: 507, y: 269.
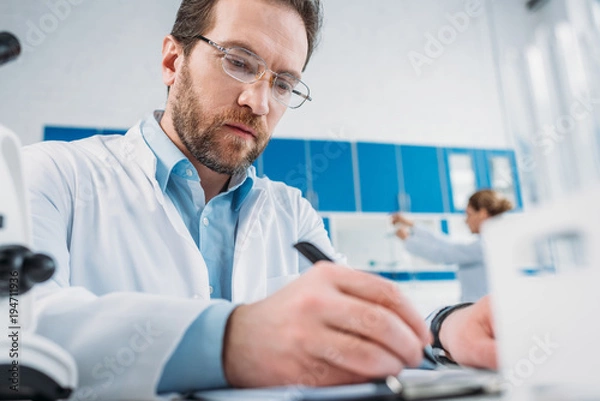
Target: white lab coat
x: 469, y: 257
x: 130, y: 278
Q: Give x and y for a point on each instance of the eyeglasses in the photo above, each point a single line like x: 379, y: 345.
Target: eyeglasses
x: 244, y: 66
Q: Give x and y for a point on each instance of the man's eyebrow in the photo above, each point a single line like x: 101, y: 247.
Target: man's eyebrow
x: 248, y: 46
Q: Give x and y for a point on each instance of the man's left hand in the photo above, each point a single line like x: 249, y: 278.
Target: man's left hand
x: 468, y: 335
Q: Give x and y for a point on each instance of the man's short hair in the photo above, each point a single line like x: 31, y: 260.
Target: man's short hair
x: 195, y: 17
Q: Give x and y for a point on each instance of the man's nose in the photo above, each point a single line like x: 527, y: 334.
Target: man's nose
x: 257, y: 96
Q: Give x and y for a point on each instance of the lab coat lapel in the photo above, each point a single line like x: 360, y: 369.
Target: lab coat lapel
x: 147, y: 162
x: 249, y: 258
x: 135, y: 146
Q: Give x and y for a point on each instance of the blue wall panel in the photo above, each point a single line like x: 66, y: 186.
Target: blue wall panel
x: 421, y: 177
x: 332, y: 175
x: 112, y: 132
x: 327, y: 225
x: 67, y: 133
x: 419, y: 276
x: 378, y: 177
x: 481, y: 162
x: 444, y: 226
x: 285, y: 160
x: 258, y: 165
x: 324, y: 172
x: 72, y: 133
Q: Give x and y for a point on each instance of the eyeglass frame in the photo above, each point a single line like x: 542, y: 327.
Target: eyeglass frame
x: 225, y: 51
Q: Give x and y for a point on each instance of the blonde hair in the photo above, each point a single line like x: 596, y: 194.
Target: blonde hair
x: 491, y: 201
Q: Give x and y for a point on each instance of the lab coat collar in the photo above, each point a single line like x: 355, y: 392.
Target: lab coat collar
x: 135, y: 147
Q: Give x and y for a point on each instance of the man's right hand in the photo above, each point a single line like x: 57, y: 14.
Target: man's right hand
x: 333, y: 325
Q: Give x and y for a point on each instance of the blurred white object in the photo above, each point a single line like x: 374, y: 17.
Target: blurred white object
x: 545, y: 263
x: 32, y: 367
x: 546, y: 310
x: 13, y: 205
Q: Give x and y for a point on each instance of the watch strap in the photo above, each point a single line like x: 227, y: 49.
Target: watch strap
x: 439, y: 318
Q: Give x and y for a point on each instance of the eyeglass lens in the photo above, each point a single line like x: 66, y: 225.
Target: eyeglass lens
x: 246, y: 67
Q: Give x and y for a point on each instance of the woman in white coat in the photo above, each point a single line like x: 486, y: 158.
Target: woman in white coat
x: 468, y: 256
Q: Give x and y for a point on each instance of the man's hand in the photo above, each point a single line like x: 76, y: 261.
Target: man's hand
x: 333, y: 325
x: 468, y: 335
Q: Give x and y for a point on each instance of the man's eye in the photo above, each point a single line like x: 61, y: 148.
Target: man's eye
x: 283, y: 86
x: 237, y: 62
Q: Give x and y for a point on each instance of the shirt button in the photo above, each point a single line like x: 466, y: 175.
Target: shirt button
x: 211, y: 289
x: 189, y: 172
x: 196, y: 296
x: 205, y: 221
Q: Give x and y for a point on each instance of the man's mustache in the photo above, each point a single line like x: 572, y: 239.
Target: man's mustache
x: 246, y: 118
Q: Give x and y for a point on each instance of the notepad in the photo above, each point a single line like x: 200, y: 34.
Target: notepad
x: 416, y: 385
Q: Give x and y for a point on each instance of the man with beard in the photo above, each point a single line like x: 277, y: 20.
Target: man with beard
x: 175, y: 266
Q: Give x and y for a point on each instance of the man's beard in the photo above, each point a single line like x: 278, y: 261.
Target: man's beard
x: 224, y: 153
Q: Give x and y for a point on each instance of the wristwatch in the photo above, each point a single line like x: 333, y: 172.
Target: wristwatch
x: 436, y: 324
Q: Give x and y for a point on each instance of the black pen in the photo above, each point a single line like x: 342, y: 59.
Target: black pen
x: 314, y: 255
x: 311, y: 252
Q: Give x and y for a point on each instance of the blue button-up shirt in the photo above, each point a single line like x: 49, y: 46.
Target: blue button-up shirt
x: 196, y: 362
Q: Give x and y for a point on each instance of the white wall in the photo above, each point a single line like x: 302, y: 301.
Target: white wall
x: 552, y: 98
x: 365, y: 87
x: 98, y: 65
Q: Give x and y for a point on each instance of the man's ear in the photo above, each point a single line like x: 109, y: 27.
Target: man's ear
x: 172, y: 59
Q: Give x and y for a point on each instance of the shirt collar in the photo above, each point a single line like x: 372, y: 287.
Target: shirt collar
x: 170, y: 160
x: 241, y: 183
x: 168, y: 156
